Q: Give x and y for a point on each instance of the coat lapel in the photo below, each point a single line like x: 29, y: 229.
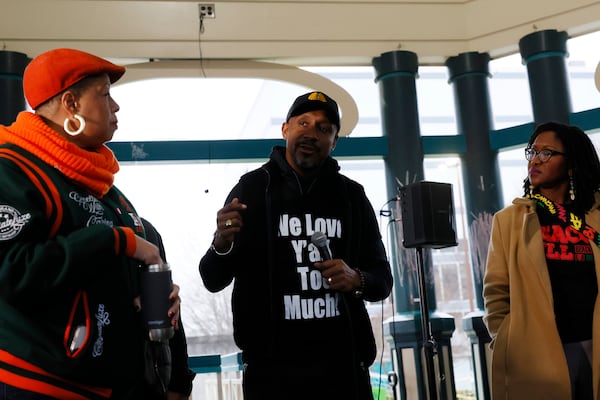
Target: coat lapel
x: 531, y: 234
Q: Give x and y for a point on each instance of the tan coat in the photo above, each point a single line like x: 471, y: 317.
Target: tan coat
x: 528, y: 361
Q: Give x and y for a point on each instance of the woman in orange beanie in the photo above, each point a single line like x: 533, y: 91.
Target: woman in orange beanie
x: 70, y: 242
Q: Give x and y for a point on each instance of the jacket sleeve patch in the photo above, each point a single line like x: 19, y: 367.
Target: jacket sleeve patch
x: 11, y: 222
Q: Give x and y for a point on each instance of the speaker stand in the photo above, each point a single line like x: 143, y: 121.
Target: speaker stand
x: 429, y: 344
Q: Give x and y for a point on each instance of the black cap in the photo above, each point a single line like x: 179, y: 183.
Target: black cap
x: 315, y: 101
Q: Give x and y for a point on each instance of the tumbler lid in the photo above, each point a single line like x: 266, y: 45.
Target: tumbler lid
x: 159, y: 267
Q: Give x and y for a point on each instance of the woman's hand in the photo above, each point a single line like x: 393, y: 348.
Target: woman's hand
x: 146, y: 252
x: 175, y: 309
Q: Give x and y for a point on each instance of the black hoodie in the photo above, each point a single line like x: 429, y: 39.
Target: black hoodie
x: 283, y: 310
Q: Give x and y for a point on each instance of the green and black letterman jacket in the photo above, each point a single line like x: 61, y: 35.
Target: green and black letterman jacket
x: 68, y: 327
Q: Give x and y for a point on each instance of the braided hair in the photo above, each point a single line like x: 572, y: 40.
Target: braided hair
x: 581, y: 157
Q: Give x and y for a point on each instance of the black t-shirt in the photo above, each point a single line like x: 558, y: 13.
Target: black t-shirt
x: 572, y: 274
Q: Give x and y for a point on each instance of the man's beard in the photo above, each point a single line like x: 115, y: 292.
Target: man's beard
x: 307, y: 164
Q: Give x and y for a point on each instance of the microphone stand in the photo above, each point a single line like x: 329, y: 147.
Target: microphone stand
x: 429, y: 344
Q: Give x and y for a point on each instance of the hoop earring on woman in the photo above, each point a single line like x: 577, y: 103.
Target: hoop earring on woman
x: 81, y: 125
x: 531, y: 189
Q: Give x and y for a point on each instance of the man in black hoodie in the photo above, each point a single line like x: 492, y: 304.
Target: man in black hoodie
x: 302, y: 245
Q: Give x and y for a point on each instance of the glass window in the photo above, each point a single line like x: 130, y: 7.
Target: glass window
x: 435, y: 98
x: 513, y: 167
x: 202, y: 109
x: 360, y: 83
x: 181, y: 200
x: 509, y: 92
x: 581, y: 65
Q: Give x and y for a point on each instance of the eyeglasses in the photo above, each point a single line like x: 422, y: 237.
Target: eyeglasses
x: 542, y: 155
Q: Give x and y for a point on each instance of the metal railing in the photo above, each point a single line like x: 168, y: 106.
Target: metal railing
x: 220, y: 378
x: 222, y: 375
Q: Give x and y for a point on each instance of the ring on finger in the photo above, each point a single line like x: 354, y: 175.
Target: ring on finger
x: 228, y: 223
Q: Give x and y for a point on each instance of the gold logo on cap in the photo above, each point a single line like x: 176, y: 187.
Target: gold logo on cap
x: 317, y: 96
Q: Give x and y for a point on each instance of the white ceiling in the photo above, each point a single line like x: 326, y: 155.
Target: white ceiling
x: 308, y: 32
x: 271, y: 38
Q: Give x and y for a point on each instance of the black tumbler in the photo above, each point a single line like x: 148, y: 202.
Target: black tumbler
x: 156, y: 286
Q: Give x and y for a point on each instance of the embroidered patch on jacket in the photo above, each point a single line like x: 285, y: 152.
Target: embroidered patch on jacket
x: 93, y: 206
x: 11, y: 222
x: 102, y: 320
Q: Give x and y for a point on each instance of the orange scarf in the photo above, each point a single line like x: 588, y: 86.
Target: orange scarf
x: 94, y: 170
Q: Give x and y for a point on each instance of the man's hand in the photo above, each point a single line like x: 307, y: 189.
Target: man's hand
x: 229, y: 222
x: 338, y: 275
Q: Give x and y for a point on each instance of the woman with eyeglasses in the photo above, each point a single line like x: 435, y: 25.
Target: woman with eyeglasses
x: 541, y: 282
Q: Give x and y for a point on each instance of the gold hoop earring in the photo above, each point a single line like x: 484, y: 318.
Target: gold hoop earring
x: 81, y: 125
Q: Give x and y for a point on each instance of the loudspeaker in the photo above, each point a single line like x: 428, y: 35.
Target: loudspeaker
x: 427, y: 215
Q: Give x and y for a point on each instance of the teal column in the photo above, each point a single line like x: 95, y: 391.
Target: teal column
x: 469, y: 75
x: 395, y: 75
x: 544, y: 53
x: 396, y: 72
x: 12, y: 100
